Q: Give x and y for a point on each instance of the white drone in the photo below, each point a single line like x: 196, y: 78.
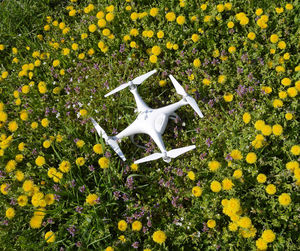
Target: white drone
x: 150, y: 121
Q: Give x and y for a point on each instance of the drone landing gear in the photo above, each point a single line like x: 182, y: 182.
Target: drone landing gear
x: 174, y: 116
x: 134, y: 142
x: 167, y: 159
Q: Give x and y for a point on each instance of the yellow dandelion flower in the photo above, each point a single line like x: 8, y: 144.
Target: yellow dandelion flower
x: 22, y: 200
x: 80, y: 161
x: 271, y: 189
x: 10, y: 213
x: 227, y: 184
x: 180, y: 20
x: 284, y: 199
x: 246, y: 117
x: 64, y: 166
x: 49, y: 199
x: 197, y: 191
x: 159, y: 237
x: 170, y: 16
x: 215, y: 186
x: 103, y: 162
x: 236, y: 154
x: 251, y: 158
x: 266, y: 130
x: 92, y: 199
x: 197, y: 63
x: 268, y: 235
x: 244, y: 222
x: 295, y: 150
x: 136, y: 226
x: 261, y: 244
x: 211, y: 223
x: 237, y: 174
x: 36, y: 222
x: 4, y: 188
x: 251, y: 35
x: 50, y: 237
x: 122, y: 225
x: 40, y: 160
x: 214, y: 165
x: 228, y: 97
x: 134, y: 167
x: 233, y: 226
x: 13, y: 126
x: 153, y: 59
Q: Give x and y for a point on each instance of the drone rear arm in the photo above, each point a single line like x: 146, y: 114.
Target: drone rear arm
x: 129, y: 130
x: 158, y: 140
x: 169, y: 109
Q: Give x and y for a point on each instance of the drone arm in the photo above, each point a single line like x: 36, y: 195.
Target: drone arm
x: 141, y: 105
x: 129, y: 130
x: 158, y: 140
x: 170, y: 109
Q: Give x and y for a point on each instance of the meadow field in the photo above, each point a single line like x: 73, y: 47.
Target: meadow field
x: 62, y: 188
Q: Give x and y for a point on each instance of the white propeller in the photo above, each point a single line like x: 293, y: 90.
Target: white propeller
x: 99, y: 130
x: 136, y: 81
x: 170, y: 154
x: 109, y: 140
x: 192, y: 102
x: 176, y: 152
x: 178, y: 87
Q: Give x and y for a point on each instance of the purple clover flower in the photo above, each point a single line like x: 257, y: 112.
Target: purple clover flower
x: 208, y: 142
x: 79, y: 209
x: 228, y: 157
x: 96, y: 66
x: 13, y: 201
x: 179, y: 172
x: 117, y: 194
x: 73, y: 183
x: 56, y: 197
x: 129, y: 183
x: 240, y: 70
x: 82, y: 189
x: 50, y: 221
x: 91, y: 168
x: 202, y: 156
x: 135, y: 245
x: 72, y: 230
x: 56, y: 188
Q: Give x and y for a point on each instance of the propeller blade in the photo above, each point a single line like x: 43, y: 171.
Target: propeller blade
x: 194, y: 105
x: 114, y: 145
x: 119, y: 88
x: 142, y: 78
x: 99, y: 130
x: 178, y: 87
x: 153, y: 156
x: 176, y: 152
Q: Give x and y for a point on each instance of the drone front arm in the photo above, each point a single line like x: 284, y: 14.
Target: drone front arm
x: 141, y: 105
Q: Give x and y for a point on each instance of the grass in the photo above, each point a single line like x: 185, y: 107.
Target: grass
x: 160, y: 196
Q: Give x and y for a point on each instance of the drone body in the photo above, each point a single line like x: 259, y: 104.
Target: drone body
x: 150, y: 121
